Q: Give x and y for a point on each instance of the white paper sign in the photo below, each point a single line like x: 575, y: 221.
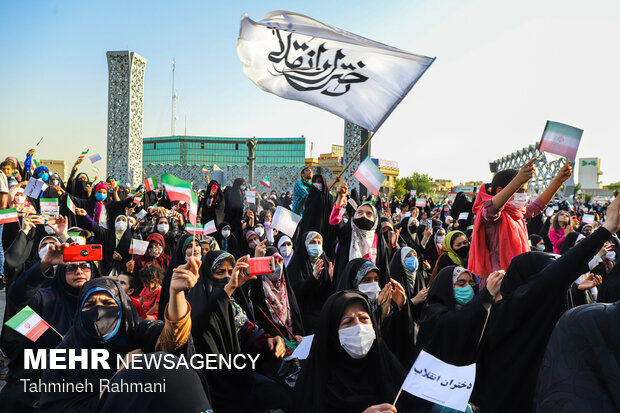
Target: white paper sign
x: 34, y: 188
x: 141, y: 214
x: 556, y: 208
x: 413, y: 192
x: 420, y: 202
x: 438, y: 382
x: 50, y: 210
x: 250, y: 196
x: 302, y: 350
x: 463, y: 215
x: 209, y: 228
x: 285, y: 221
x: 587, y: 219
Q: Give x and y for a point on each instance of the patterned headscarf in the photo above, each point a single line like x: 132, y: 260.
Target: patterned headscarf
x: 361, y: 240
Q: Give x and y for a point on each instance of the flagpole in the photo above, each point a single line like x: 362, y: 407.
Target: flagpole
x: 351, y: 161
x: 55, y: 331
x: 397, y: 396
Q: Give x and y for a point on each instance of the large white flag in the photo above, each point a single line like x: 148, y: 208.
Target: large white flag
x: 299, y: 58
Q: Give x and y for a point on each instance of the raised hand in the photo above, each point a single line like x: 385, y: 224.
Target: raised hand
x: 420, y: 297
x: 185, y: 276
x: 564, y: 173
x: 526, y: 172
x: 398, y: 294
x: 276, y: 345
x: 261, y: 249
x: 494, y: 282
x: 317, y: 269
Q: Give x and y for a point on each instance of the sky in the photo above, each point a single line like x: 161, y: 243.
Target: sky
x: 502, y: 70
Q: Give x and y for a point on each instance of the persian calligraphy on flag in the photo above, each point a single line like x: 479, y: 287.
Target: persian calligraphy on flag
x: 299, y: 58
x: 560, y: 139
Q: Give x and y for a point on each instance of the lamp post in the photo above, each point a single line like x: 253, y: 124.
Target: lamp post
x: 251, y: 143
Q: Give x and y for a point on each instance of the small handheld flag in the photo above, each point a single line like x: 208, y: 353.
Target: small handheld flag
x: 83, y: 155
x: 96, y: 170
x: 8, y: 215
x: 206, y: 170
x: 28, y: 323
x: 95, y: 158
x: 252, y: 187
x: 560, y: 139
x: 150, y: 184
x: 38, y: 143
x: 265, y: 182
x: 138, y: 247
x: 370, y: 176
x: 70, y: 204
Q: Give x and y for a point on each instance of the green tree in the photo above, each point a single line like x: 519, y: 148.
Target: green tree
x: 614, y: 187
x: 422, y: 183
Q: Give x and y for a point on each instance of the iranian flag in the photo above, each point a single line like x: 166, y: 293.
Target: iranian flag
x: 194, y: 229
x: 83, y: 154
x: 34, y: 165
x: 138, y: 247
x: 369, y: 175
x: 28, y: 323
x: 8, y: 215
x: 206, y: 170
x: 150, y: 184
x: 177, y: 189
x: 193, y: 208
x: 252, y: 187
x: 70, y: 204
x: 210, y: 227
x: 265, y: 182
x: 560, y: 139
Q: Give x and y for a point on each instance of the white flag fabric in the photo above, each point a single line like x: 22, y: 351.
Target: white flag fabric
x: 285, y: 221
x: 299, y: 58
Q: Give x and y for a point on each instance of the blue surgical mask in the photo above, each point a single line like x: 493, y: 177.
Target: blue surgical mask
x: 44, y: 176
x: 463, y: 295
x: 314, y: 250
x: 540, y: 248
x: 100, y: 197
x: 411, y: 263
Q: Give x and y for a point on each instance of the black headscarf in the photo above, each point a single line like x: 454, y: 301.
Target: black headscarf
x: 261, y: 307
x: 331, y: 380
x: 231, y: 245
x: 578, y: 372
x: 318, y: 207
x: 462, y: 204
x: 534, y: 297
x: 449, y: 331
x: 311, y: 293
x: 349, y: 279
x: 213, y: 206
x: 131, y: 332
x: 178, y: 258
x: 234, y: 206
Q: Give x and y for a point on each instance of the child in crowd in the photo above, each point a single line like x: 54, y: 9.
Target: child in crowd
x: 561, y: 226
x: 501, y: 207
x: 149, y: 297
x: 131, y: 285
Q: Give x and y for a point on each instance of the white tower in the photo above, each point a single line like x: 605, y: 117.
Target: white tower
x: 125, y: 106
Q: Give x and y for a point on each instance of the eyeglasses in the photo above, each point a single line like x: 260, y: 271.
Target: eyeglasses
x: 73, y: 267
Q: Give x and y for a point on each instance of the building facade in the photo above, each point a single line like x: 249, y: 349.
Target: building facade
x: 125, y: 107
x: 589, y: 172
x: 222, y: 151
x: 55, y: 167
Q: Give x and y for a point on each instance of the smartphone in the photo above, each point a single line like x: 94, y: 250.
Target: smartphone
x: 261, y: 266
x: 92, y: 252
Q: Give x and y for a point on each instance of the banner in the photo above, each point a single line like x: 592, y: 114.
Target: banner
x: 299, y: 58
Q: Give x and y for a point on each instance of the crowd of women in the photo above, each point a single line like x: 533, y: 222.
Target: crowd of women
x: 481, y: 279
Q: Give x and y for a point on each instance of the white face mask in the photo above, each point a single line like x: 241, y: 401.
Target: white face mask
x: 357, y: 340
x: 440, y: 239
x: 49, y: 230
x: 163, y: 228
x: 286, y: 250
x: 226, y: 233
x: 120, y: 226
x: 43, y: 251
x: 519, y: 200
x: 371, y: 290
x: 20, y: 199
x: 259, y: 231
x: 318, y: 186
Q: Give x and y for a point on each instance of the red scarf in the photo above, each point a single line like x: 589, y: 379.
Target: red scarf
x: 512, y: 236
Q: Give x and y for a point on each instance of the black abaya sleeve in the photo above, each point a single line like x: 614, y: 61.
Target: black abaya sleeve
x: 399, y: 331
